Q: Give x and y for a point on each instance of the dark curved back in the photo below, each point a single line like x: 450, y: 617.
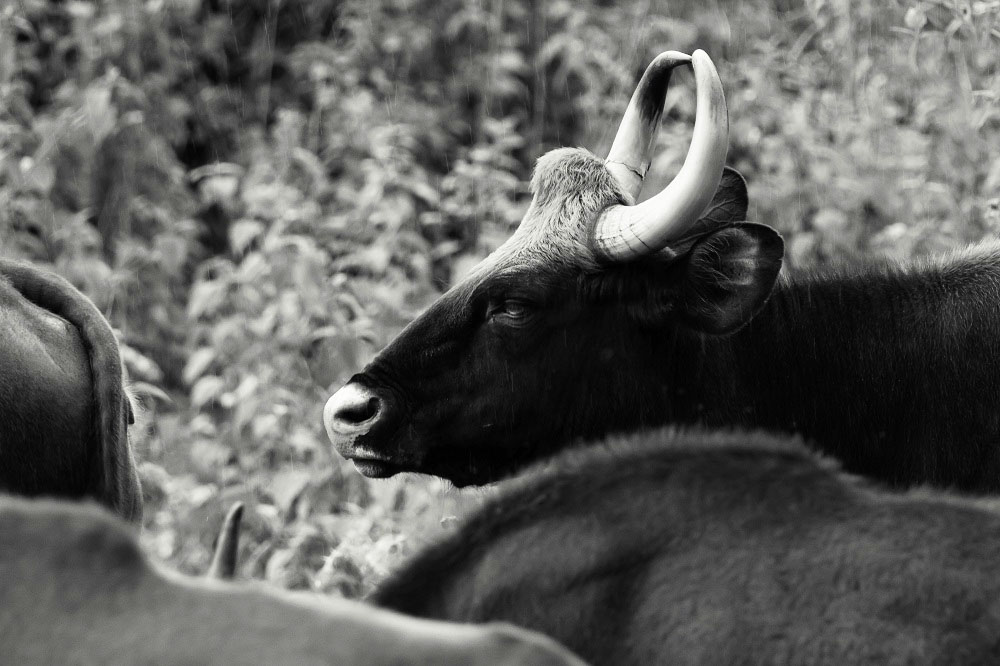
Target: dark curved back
x: 112, y: 476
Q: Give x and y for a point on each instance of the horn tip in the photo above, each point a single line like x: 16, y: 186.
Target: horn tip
x: 235, y: 511
x: 652, y: 90
x: 674, y: 57
x: 699, y: 56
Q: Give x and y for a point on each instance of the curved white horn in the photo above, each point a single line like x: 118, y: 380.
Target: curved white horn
x: 628, y: 159
x: 626, y: 232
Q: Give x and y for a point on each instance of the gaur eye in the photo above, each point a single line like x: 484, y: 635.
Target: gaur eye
x: 509, y: 311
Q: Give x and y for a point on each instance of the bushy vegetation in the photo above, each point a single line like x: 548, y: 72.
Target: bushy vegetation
x: 261, y: 193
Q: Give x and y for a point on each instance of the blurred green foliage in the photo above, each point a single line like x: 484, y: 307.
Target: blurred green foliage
x: 261, y: 193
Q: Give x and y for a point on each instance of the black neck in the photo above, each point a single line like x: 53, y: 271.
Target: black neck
x: 892, y: 371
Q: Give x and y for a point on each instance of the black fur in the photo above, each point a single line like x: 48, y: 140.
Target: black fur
x: 64, y: 412
x: 691, y: 548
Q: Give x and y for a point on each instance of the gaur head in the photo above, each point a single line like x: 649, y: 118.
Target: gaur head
x: 549, y: 339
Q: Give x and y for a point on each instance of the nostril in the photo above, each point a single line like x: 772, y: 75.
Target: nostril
x: 350, y: 411
x: 360, y: 412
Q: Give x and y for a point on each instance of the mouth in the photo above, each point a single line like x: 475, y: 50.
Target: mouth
x: 373, y: 464
x: 376, y: 469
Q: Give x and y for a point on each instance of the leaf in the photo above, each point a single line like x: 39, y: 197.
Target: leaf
x: 425, y: 192
x: 278, y: 566
x: 206, y: 298
x: 40, y: 176
x: 243, y: 233
x: 206, y: 389
x: 252, y: 269
x: 209, y: 456
x: 140, y: 365
x: 287, y: 485
x: 310, y: 165
x: 150, y: 390
x: 98, y: 115
x: 330, y: 358
x: 247, y: 387
x: 264, y: 426
x: 915, y: 18
x: 198, y: 363
x: 302, y: 440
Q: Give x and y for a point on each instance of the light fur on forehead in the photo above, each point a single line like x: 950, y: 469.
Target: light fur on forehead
x: 571, y: 186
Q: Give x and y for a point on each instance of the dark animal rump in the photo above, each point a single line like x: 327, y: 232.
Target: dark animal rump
x: 63, y: 408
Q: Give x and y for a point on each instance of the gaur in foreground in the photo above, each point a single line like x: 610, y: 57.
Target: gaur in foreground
x: 599, y: 316
x: 76, y: 589
x: 690, y: 548
x: 64, y: 412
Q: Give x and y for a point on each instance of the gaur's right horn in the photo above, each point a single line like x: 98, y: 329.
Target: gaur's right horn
x: 628, y: 160
x: 623, y: 232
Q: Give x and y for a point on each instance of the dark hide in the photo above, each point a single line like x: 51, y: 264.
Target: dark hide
x: 895, y: 370
x: 692, y: 548
x: 76, y: 589
x: 64, y: 413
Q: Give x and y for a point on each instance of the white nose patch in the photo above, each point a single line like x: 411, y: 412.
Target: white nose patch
x: 351, y: 398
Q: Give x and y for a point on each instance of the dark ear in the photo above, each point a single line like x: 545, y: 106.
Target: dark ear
x: 729, y: 205
x: 727, y: 277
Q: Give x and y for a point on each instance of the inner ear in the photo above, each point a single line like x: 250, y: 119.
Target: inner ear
x: 727, y: 277
x: 728, y: 206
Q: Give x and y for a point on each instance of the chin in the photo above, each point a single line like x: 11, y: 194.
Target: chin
x: 376, y: 469
x: 465, y: 477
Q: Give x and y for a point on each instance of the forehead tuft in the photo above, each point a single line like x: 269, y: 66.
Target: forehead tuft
x: 571, y: 187
x: 572, y: 173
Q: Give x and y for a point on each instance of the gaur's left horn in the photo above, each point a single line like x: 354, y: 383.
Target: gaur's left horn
x: 627, y: 232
